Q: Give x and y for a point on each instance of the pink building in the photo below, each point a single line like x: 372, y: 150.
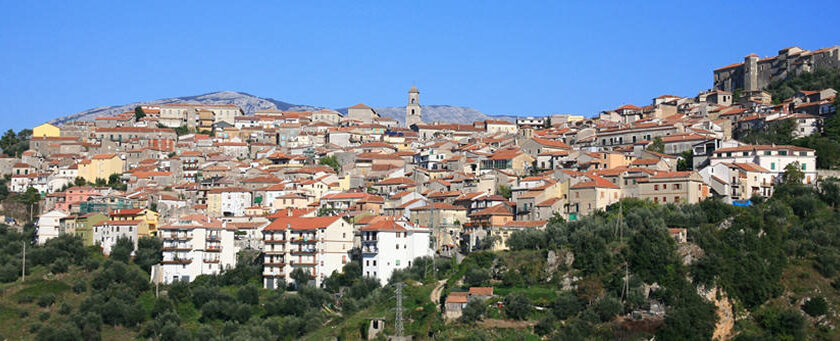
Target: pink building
x: 75, y: 195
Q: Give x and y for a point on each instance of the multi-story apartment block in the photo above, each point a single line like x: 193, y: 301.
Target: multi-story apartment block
x: 392, y: 244
x: 195, y: 245
x: 771, y: 157
x: 318, y: 245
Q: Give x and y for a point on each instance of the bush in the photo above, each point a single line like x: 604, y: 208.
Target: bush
x: 23, y: 314
x: 44, y: 316
x: 816, y: 306
x: 517, y: 306
x: 79, y: 287
x: 46, y: 300
x: 474, y: 311
x: 25, y: 299
x: 477, y: 277
x: 607, y: 308
x: 248, y: 294
x: 566, y: 305
x: 59, y: 266
x: 545, y: 326
x: 65, y: 309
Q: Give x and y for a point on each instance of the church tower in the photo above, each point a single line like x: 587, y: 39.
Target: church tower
x: 412, y: 110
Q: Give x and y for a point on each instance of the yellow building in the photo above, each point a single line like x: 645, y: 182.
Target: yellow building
x: 148, y: 219
x: 100, y: 166
x: 46, y: 130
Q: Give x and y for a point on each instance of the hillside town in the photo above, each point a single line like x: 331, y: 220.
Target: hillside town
x: 313, y: 190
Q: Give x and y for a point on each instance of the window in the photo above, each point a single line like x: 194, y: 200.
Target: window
x: 655, y: 187
x: 398, y: 246
x: 772, y: 166
x: 677, y: 199
x: 677, y: 186
x: 803, y: 166
x: 398, y: 262
x: 602, y: 194
x: 664, y: 199
x: 664, y: 186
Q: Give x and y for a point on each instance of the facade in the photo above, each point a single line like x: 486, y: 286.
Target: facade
x: 106, y: 233
x: 195, y: 245
x: 392, y: 244
x: 227, y: 202
x: 46, y: 130
x: 49, y: 225
x: 674, y: 187
x: 413, y: 113
x: 771, y: 157
x: 100, y: 166
x: 318, y: 245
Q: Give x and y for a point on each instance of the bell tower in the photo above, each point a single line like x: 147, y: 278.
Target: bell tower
x: 412, y: 110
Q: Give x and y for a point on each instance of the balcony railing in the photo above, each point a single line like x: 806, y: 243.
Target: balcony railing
x: 214, y: 261
x: 301, y: 251
x: 275, y: 241
x: 213, y: 249
x: 177, y: 261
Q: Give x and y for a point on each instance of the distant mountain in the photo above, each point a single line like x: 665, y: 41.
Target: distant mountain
x: 437, y: 113
x: 250, y: 104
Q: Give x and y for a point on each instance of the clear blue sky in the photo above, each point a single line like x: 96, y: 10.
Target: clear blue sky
x: 506, y: 57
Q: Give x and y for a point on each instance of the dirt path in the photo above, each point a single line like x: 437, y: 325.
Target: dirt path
x: 435, y: 295
x: 507, y: 324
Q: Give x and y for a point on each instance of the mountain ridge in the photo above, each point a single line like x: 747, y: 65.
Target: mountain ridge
x: 251, y: 103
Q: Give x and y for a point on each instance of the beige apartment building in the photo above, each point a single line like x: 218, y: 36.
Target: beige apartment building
x: 674, y: 187
x: 318, y: 245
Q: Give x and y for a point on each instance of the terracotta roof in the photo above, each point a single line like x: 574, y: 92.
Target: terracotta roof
x: 301, y: 223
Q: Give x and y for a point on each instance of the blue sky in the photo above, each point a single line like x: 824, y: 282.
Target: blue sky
x: 505, y: 57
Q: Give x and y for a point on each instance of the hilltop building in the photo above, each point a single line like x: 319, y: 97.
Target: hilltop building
x: 412, y: 110
x: 755, y: 74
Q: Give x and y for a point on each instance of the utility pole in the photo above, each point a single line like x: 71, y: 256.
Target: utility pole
x: 398, y: 321
x: 23, y: 266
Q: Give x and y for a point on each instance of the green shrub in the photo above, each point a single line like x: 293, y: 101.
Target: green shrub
x: 44, y: 316
x: 815, y: 306
x: 46, y: 300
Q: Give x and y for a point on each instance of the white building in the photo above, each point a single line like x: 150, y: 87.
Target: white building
x: 771, y: 157
x: 196, y: 245
x: 318, y: 245
x: 48, y: 225
x: 391, y: 244
x: 106, y: 233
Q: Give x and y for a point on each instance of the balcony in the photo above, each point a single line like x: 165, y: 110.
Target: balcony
x: 211, y: 261
x: 177, y: 248
x: 370, y: 250
x: 303, y: 263
x: 213, y: 249
x: 213, y: 238
x: 275, y: 241
x: 177, y: 261
x: 303, y: 251
x: 177, y: 237
x: 304, y: 240
x: 274, y: 274
x: 274, y: 263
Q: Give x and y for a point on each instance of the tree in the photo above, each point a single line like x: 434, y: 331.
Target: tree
x: 504, y: 191
x: 138, y: 113
x: 122, y: 249
x: 148, y: 252
x: 793, y: 173
x: 248, y: 294
x: 331, y: 161
x: 517, y: 306
x: 686, y: 161
x: 474, y: 311
x: 607, y: 308
x: 477, y: 277
x: 301, y: 277
x: 657, y: 145
x: 815, y: 306
x: 80, y: 181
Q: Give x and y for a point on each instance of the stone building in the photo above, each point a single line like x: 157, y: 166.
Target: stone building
x: 756, y: 73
